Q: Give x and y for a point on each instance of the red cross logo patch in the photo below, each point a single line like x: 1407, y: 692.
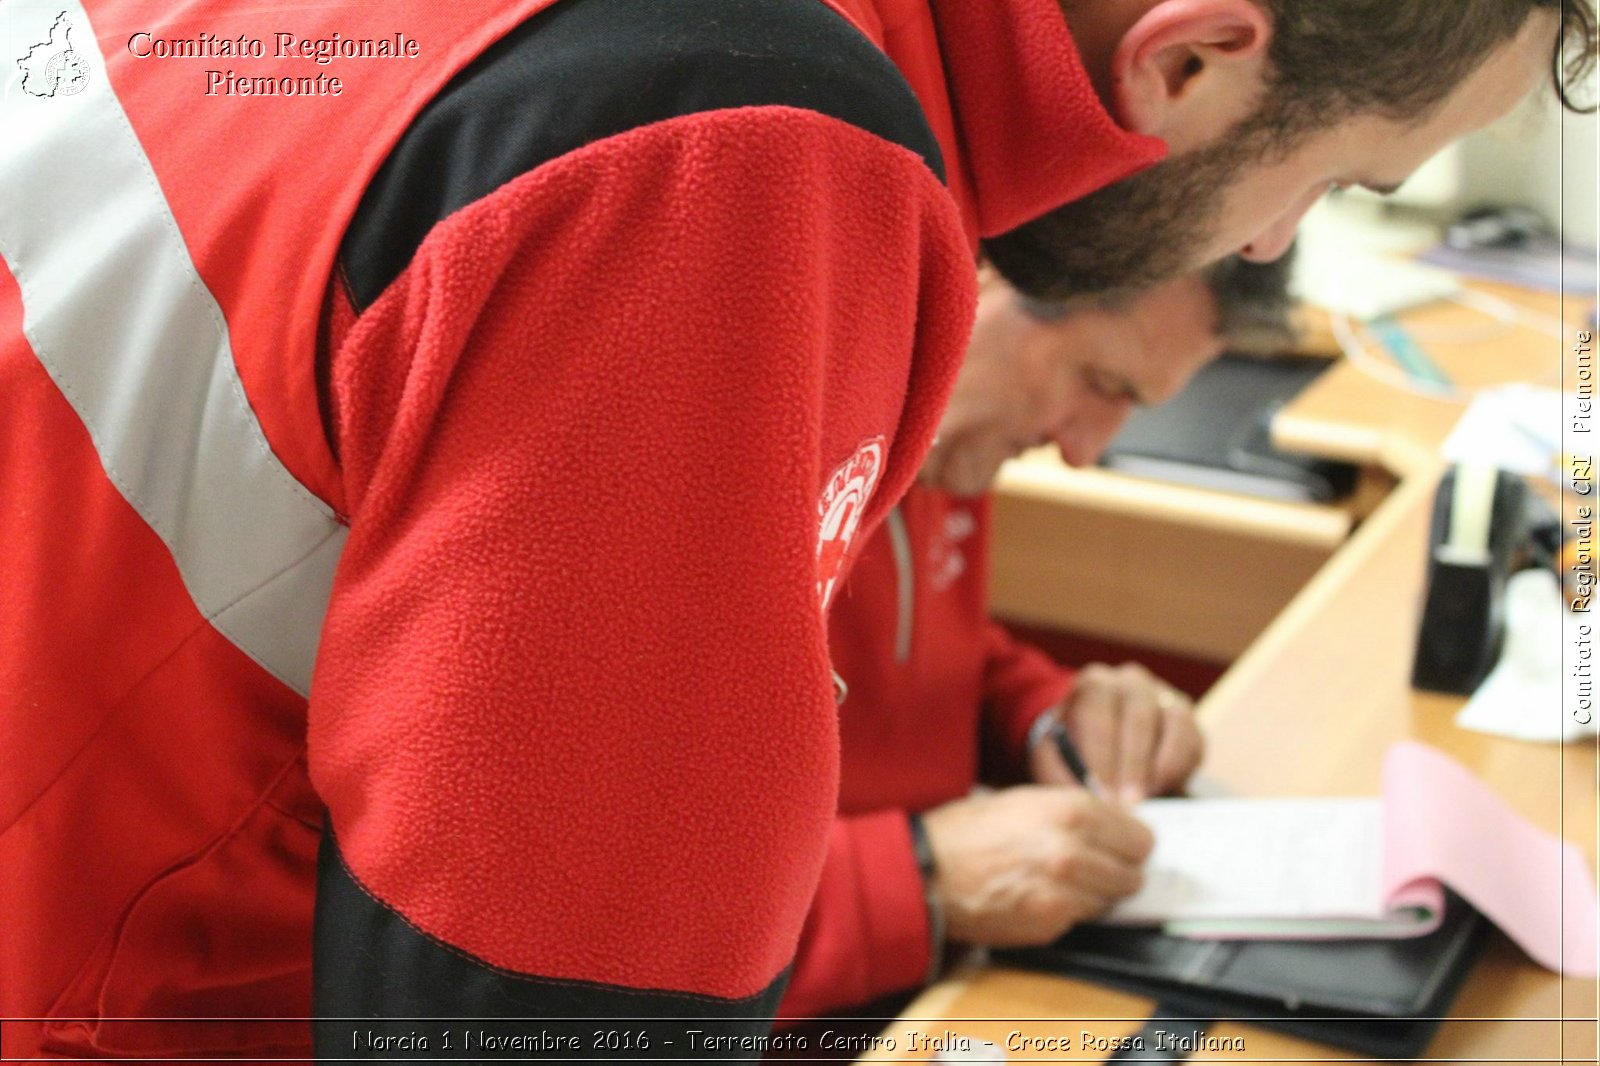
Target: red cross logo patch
x: 841, y: 508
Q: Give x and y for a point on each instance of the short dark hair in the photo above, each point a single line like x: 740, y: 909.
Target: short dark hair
x: 1253, y: 305
x: 1332, y: 59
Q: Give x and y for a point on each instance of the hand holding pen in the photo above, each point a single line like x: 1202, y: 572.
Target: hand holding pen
x: 1122, y: 733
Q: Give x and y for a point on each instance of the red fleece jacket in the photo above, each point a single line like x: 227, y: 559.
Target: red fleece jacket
x: 940, y: 696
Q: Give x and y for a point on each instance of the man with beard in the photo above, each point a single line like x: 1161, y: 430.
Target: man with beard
x: 941, y: 697
x: 1323, y: 119
x: 421, y: 523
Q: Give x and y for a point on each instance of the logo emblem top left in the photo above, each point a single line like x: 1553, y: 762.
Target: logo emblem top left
x: 53, y: 67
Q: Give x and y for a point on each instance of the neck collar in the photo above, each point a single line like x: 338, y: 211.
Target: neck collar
x: 1033, y: 129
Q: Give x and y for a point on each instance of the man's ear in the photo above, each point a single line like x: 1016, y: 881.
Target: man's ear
x: 1187, y: 70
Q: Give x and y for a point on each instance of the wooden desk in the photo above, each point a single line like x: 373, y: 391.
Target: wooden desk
x: 1310, y: 707
x: 1148, y: 564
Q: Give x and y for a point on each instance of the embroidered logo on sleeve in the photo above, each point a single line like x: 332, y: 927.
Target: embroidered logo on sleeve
x: 843, y: 503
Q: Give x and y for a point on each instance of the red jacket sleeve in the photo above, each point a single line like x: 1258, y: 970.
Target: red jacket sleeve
x: 1019, y: 683
x: 867, y: 934
x: 573, y: 714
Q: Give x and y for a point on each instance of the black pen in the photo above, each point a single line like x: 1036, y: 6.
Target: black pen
x: 1074, y: 761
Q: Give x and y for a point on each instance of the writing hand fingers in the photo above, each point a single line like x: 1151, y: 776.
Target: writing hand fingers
x: 1181, y: 747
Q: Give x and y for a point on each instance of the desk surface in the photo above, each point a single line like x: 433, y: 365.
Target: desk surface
x: 1314, y: 702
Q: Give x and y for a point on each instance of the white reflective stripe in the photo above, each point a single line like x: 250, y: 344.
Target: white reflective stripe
x: 118, y: 316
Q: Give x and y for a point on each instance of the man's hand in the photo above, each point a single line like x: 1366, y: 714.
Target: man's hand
x: 1136, y: 733
x: 1017, y: 868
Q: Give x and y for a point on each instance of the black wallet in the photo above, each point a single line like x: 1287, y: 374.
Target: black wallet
x: 1383, y: 998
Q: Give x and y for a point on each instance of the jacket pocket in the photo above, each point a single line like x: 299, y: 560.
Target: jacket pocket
x: 222, y: 937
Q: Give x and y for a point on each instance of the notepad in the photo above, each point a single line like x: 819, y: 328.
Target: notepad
x: 1371, y: 868
x: 1303, y: 868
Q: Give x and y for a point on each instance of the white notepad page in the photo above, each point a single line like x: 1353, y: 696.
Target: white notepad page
x: 1256, y: 862
x: 1317, y: 868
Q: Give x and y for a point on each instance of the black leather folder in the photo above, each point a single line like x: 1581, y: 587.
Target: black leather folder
x: 1383, y: 998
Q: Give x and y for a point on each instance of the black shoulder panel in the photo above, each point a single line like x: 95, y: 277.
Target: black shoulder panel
x: 584, y: 70
x: 384, y: 990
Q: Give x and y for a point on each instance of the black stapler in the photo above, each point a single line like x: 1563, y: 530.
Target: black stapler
x: 1480, y: 533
